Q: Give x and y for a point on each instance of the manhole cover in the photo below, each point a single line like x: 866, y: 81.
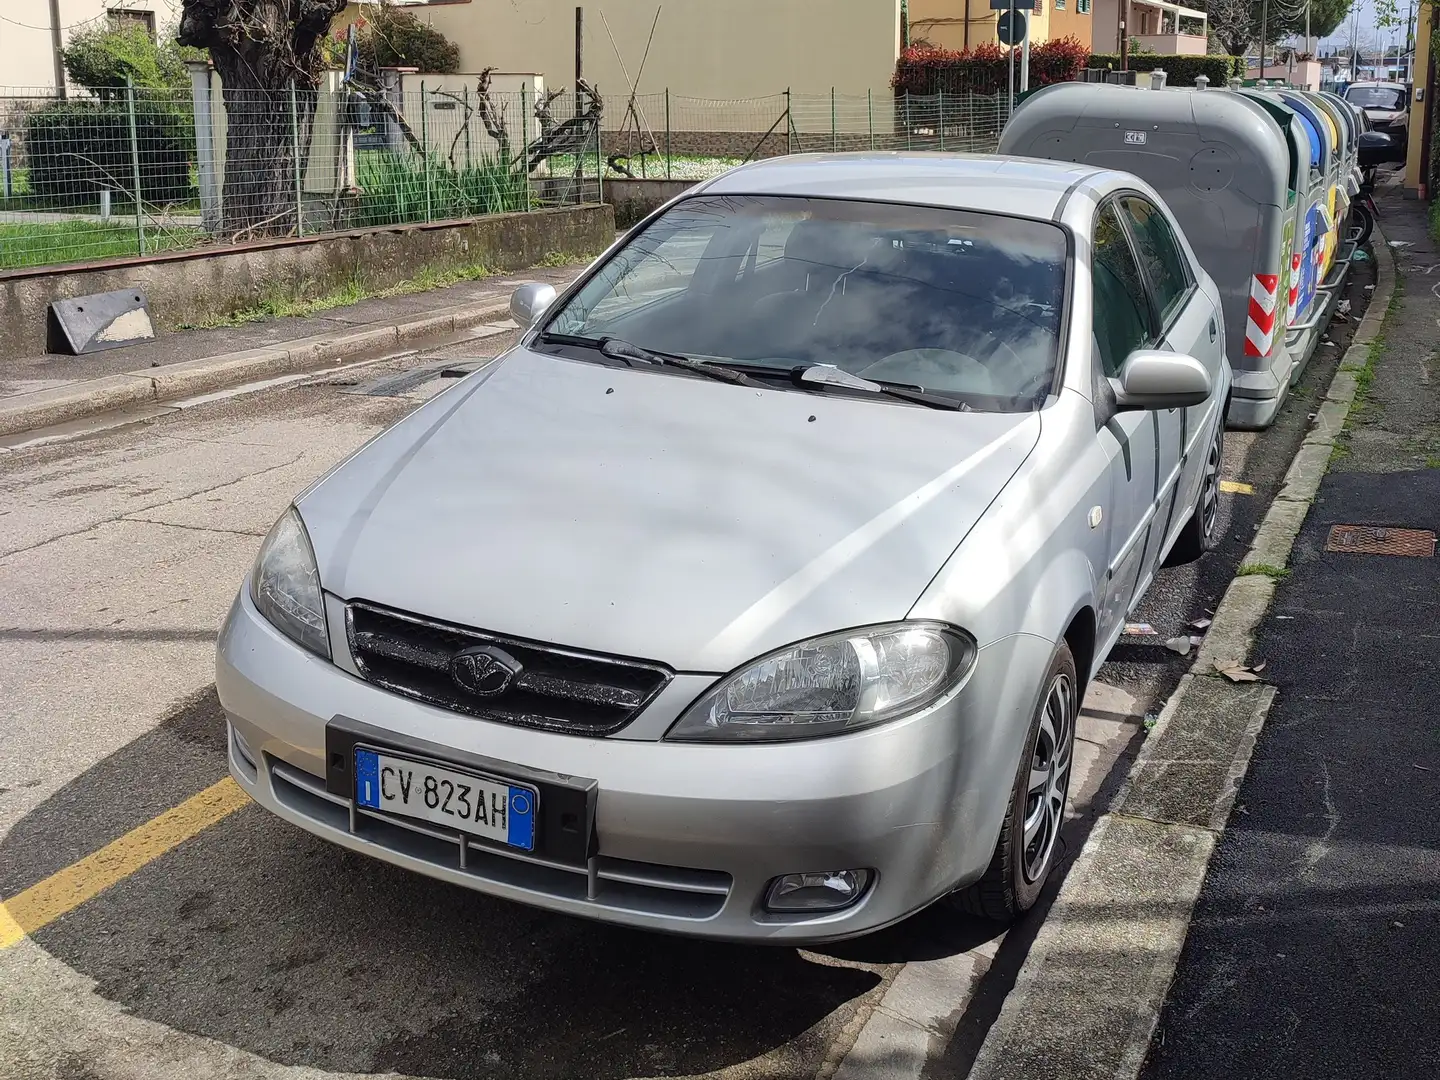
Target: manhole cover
x: 1378, y: 540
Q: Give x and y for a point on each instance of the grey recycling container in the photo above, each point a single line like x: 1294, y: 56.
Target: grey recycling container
x: 1227, y: 171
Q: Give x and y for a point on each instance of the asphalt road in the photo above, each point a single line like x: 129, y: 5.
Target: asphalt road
x: 253, y: 949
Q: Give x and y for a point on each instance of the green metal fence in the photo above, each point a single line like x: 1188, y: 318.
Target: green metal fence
x: 142, y: 171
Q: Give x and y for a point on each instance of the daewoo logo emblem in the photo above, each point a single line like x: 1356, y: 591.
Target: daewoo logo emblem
x: 484, y: 671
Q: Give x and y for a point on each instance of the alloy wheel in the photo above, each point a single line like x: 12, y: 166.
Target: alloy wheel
x: 1049, y: 782
x: 1210, y: 493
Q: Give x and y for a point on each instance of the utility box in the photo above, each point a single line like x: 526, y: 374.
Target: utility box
x: 1230, y: 173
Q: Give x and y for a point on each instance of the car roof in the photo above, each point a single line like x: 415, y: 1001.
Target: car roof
x: 1019, y: 187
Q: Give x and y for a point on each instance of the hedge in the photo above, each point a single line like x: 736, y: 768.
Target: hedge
x: 925, y: 71
x: 1179, y: 70
x: 74, y: 148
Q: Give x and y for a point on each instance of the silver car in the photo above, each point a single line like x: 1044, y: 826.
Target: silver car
x: 753, y: 594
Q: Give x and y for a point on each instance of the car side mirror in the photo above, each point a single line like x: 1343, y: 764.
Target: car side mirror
x: 1153, y: 380
x: 529, y: 302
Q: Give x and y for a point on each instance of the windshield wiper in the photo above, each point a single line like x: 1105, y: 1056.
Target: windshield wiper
x: 830, y: 375
x: 620, y: 349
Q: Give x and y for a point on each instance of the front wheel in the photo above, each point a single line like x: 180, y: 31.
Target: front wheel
x: 1202, y: 531
x: 1025, y: 852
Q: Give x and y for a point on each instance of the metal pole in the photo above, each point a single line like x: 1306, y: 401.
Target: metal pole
x: 57, y: 48
x: 941, y: 110
x: 1010, y: 80
x: 1123, y: 12
x: 834, y: 134
x: 870, y: 116
x: 1264, y: 30
x: 469, y: 157
x: 425, y: 147
x: 525, y: 144
x: 1025, y: 59
x: 135, y: 164
x: 299, y: 166
x: 205, y: 144
x: 599, y: 167
x: 579, y: 56
x: 789, y: 124
x: 667, y: 133
x: 907, y: 121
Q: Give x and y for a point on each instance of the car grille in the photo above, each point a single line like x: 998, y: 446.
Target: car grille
x: 557, y: 689
x: 616, y: 884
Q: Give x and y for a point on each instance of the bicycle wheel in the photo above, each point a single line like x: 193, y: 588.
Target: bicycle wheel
x: 1362, y: 224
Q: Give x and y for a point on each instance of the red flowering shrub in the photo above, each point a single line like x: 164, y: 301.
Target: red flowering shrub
x: 925, y: 70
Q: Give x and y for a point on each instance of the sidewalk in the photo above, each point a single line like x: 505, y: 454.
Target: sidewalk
x: 44, y: 390
x: 1315, y: 942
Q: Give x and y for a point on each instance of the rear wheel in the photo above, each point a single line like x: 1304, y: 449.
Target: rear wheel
x: 1025, y: 852
x: 1202, y: 531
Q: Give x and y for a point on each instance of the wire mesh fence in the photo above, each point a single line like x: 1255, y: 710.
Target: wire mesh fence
x: 138, y: 172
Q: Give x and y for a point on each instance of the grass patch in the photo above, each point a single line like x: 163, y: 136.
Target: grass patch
x: 1435, y: 219
x: 304, y: 300
x: 52, y: 243
x: 1278, y: 573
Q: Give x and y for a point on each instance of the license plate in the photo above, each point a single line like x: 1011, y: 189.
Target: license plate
x: 477, y: 805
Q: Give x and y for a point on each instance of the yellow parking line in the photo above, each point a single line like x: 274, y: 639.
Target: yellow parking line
x: 1235, y: 487
x: 65, y: 890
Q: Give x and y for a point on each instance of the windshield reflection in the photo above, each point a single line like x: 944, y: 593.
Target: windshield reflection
x: 952, y: 301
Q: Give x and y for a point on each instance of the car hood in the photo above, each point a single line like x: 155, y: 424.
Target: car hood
x: 656, y: 515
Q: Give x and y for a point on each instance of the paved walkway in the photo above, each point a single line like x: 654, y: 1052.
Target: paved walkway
x: 23, y: 375
x: 1315, y: 943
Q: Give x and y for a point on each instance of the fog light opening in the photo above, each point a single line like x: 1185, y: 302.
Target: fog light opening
x: 829, y: 890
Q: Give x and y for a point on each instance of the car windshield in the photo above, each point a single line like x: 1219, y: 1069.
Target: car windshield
x: 953, y: 301
x: 1379, y: 98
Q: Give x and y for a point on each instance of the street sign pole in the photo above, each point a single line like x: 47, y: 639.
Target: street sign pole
x: 1010, y: 82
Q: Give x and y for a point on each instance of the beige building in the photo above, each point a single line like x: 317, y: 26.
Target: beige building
x: 701, y: 49
x: 964, y: 24
x: 28, y: 35
x: 1156, y: 26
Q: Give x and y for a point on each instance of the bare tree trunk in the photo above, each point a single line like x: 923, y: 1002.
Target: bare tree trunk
x: 260, y: 48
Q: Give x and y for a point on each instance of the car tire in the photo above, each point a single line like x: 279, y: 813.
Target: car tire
x: 1202, y: 531
x: 1029, y: 837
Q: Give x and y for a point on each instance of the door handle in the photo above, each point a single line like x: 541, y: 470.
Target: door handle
x: 1213, y: 330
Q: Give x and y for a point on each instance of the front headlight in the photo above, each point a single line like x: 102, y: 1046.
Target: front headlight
x: 830, y: 685
x: 285, y: 585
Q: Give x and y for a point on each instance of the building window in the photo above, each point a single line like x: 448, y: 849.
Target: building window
x: 1039, y: 7
x: 1059, y: 5
x: 1082, y: 6
x: 124, y: 18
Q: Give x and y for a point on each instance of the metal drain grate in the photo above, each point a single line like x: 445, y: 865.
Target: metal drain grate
x: 1378, y: 540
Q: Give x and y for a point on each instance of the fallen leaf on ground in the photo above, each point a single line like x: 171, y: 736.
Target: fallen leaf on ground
x: 1235, y: 671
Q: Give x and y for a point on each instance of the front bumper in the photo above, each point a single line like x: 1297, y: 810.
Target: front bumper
x: 683, y: 838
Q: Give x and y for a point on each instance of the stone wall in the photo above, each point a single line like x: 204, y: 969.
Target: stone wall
x: 192, y: 286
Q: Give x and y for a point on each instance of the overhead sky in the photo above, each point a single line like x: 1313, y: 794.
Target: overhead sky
x: 1367, y: 32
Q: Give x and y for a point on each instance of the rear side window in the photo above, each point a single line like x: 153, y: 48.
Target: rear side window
x: 1162, y: 262
x: 1121, y: 312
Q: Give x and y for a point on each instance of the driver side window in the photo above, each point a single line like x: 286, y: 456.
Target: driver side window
x: 1121, y: 311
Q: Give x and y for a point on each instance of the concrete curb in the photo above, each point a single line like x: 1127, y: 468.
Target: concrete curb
x: 171, y: 382
x: 1088, y: 998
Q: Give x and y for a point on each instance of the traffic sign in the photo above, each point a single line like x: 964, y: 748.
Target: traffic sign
x: 1011, y: 26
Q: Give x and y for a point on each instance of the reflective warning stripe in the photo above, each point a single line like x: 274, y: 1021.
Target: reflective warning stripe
x: 1260, y: 326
